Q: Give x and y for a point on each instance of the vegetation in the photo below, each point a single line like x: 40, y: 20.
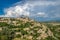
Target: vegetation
x: 19, y: 29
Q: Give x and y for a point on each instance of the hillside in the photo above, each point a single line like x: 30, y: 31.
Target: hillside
x: 28, y: 29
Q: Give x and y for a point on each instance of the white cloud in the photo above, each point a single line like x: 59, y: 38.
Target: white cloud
x: 43, y: 2
x: 18, y: 10
x: 42, y: 14
x: 2, y: 15
x: 57, y: 15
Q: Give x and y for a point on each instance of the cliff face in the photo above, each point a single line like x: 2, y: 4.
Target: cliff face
x: 27, y: 29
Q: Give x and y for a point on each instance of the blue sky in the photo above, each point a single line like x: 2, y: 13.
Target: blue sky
x: 41, y: 10
x: 6, y: 4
